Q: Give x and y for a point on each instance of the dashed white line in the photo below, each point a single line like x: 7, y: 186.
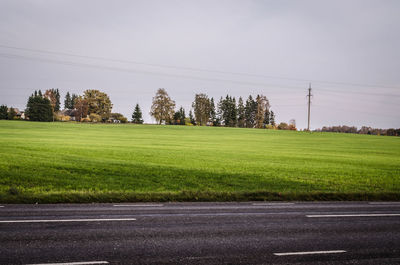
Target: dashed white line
x: 67, y: 220
x: 310, y: 252
x: 74, y: 263
x: 1, y: 206
x: 138, y: 205
x: 353, y: 215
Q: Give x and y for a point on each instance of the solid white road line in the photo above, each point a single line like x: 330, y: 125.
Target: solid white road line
x: 67, y: 220
x: 1, y: 206
x: 138, y: 205
x: 310, y: 252
x: 273, y: 204
x: 353, y: 215
x: 384, y: 203
x: 74, y: 263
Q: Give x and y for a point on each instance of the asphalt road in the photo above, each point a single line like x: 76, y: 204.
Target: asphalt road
x: 201, y: 233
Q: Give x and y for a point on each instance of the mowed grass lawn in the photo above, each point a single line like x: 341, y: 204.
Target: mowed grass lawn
x: 62, y: 162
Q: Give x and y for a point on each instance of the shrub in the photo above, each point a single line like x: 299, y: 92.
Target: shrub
x: 95, y: 117
x: 283, y: 126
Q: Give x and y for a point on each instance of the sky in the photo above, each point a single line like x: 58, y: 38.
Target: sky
x: 348, y: 50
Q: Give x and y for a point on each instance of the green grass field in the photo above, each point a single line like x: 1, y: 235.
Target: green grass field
x: 72, y: 162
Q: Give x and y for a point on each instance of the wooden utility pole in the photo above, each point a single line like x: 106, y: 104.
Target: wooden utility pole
x: 309, y: 104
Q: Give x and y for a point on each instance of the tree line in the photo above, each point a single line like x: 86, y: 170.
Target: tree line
x: 362, y: 130
x: 95, y: 106
x: 255, y: 112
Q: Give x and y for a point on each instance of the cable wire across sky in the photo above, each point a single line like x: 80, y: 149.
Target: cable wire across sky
x: 196, y: 69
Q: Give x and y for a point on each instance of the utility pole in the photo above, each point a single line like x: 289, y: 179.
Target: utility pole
x: 309, y: 104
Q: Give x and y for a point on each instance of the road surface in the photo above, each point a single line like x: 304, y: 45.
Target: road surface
x: 201, y: 233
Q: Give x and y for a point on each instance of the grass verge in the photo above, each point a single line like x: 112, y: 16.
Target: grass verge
x: 192, y: 196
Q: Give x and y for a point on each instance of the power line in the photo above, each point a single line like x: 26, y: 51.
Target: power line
x: 118, y: 69
x: 197, y: 69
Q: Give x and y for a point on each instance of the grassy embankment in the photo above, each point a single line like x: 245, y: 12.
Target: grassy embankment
x: 71, y: 162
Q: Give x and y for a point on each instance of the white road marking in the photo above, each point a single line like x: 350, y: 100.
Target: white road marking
x: 1, y: 206
x: 384, y: 203
x: 273, y: 204
x: 353, y: 215
x: 67, y: 220
x: 74, y: 263
x: 310, y: 252
x: 138, y: 205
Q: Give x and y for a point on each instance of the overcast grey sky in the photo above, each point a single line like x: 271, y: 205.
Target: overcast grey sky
x: 348, y: 50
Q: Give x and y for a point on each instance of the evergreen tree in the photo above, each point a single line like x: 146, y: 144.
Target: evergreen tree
x: 250, y: 112
x: 182, y: 116
x: 233, y: 112
x: 58, y: 103
x: 39, y: 108
x: 137, y: 115
x: 220, y: 112
x: 213, y: 113
x: 241, y: 113
x: 225, y: 113
x: 272, y: 118
x: 267, y: 117
x: 11, y: 113
x: 179, y: 117
x: 67, y: 101
x: 3, y: 112
x: 73, y: 100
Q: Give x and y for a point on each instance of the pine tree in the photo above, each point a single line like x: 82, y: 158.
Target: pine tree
x: 179, y: 117
x: 241, y: 113
x: 58, y: 103
x: 182, y: 116
x: 213, y: 113
x: 225, y: 110
x: 67, y: 101
x: 250, y: 112
x: 3, y: 112
x: 39, y: 108
x: 267, y: 117
x: 137, y: 115
x: 233, y: 112
x: 73, y: 99
x: 272, y: 118
x: 220, y: 112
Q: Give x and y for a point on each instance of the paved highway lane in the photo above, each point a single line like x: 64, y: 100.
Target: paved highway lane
x: 201, y: 233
